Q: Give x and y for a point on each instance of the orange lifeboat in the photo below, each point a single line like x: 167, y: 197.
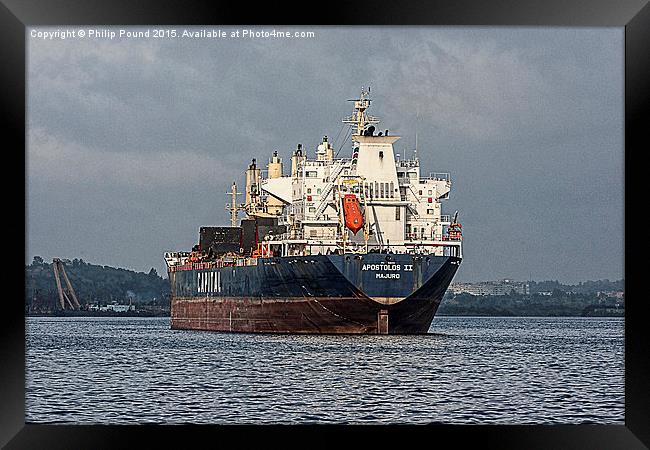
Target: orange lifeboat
x: 352, y: 213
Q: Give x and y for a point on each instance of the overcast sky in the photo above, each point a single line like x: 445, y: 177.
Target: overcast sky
x: 133, y: 143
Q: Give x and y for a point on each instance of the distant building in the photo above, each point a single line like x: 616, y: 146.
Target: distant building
x: 500, y: 287
x: 115, y: 307
x: 612, y: 294
x: 122, y: 308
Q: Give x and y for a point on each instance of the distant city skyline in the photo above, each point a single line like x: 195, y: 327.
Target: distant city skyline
x: 132, y: 144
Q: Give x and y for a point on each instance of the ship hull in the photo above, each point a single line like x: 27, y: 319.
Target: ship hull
x: 324, y: 294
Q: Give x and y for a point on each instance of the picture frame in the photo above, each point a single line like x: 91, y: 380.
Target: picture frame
x: 16, y: 15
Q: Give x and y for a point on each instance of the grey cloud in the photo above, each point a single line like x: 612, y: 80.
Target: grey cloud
x: 138, y: 141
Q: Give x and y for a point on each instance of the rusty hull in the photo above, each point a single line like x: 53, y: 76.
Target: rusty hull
x: 333, y: 303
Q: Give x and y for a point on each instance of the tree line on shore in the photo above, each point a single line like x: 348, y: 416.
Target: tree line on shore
x: 557, y: 303
x: 93, y: 284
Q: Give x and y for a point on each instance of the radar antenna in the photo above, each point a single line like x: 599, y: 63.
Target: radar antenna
x: 417, y: 119
x: 359, y: 118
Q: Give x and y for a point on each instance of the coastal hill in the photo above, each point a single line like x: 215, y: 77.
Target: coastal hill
x: 93, y: 284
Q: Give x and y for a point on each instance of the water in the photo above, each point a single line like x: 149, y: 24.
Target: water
x: 469, y: 370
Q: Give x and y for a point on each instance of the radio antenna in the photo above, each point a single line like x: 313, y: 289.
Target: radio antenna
x: 417, y: 119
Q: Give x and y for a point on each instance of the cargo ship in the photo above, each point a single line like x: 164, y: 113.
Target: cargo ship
x: 356, y: 244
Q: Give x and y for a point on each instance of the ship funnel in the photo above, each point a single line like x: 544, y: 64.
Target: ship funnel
x: 274, y: 169
x: 253, y: 175
x: 275, y: 166
x: 296, y: 160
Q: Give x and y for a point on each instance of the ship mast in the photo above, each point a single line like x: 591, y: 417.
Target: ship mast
x: 359, y: 118
x: 233, y: 207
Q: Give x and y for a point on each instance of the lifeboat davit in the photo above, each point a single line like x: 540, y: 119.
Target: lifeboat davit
x: 352, y: 213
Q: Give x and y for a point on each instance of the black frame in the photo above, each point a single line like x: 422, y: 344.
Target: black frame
x: 634, y: 15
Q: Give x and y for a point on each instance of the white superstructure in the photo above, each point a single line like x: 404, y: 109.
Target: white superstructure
x: 400, y: 206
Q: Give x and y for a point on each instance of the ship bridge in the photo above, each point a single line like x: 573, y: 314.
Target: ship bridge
x: 400, y: 208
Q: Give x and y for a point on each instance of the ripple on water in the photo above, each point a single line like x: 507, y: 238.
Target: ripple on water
x: 469, y: 370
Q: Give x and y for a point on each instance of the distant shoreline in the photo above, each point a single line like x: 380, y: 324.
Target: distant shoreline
x: 131, y: 315
x: 600, y: 316
x: 99, y: 314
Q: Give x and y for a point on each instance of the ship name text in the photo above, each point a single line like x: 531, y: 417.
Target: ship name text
x: 388, y: 268
x: 208, y: 282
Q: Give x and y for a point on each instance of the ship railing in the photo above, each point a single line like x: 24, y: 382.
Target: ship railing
x: 403, y: 180
x: 234, y: 262
x: 419, y: 237
x: 444, y: 237
x: 326, y: 162
x: 411, y: 238
x: 279, y: 238
x: 436, y: 176
x: 449, y: 247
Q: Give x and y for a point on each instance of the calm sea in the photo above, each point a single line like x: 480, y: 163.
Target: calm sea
x: 468, y: 370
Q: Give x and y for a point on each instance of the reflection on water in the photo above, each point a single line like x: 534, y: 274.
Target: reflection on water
x: 469, y: 370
